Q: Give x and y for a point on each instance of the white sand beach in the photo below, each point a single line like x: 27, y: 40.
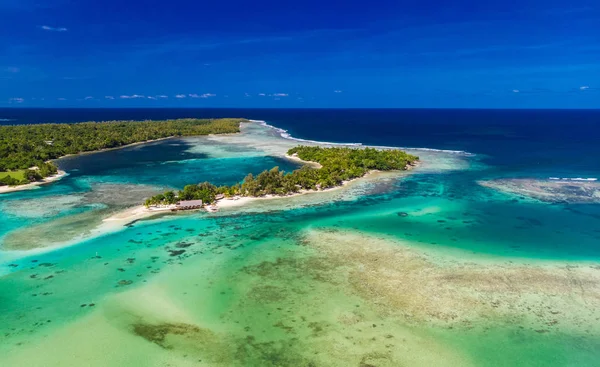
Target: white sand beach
x: 308, y: 163
x: 142, y: 212
x: 33, y: 185
x: 135, y: 213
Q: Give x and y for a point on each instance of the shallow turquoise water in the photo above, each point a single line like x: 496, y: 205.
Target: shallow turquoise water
x: 448, y: 210
x: 66, y: 285
x: 108, y: 180
x: 445, y: 210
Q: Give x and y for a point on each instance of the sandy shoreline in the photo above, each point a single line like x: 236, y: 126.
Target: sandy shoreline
x: 33, y: 185
x: 50, y: 179
x: 308, y: 163
x: 134, y: 213
x: 141, y: 212
x: 114, y: 221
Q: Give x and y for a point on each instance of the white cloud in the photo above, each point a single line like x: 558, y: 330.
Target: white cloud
x: 337, y: 91
x: 61, y: 99
x: 205, y: 95
x: 516, y: 91
x: 584, y: 87
x: 150, y: 97
x: 280, y: 95
x: 163, y: 96
x: 261, y: 94
x: 88, y: 98
x: 131, y: 97
x: 16, y: 100
x: 180, y: 96
x: 109, y: 97
x: 53, y: 29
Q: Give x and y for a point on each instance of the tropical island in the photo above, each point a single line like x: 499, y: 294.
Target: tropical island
x: 27, y: 151
x: 336, y: 166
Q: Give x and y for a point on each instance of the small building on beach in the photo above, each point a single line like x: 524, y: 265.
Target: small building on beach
x: 220, y: 196
x: 189, y: 204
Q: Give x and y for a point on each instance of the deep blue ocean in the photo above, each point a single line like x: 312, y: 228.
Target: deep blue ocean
x: 535, y: 143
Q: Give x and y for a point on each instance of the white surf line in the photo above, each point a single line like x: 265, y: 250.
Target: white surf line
x: 589, y: 179
x: 286, y: 135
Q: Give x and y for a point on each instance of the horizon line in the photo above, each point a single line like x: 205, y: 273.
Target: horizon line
x: 301, y: 108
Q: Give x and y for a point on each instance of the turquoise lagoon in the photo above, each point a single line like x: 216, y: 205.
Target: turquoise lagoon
x: 422, y: 268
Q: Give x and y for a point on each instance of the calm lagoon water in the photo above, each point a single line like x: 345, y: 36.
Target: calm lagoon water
x: 290, y: 285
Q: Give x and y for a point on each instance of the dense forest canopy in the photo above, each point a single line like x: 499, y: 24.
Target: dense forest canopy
x: 338, y: 165
x: 26, y: 146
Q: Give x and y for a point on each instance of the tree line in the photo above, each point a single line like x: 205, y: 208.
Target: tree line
x: 26, y: 146
x: 337, y: 165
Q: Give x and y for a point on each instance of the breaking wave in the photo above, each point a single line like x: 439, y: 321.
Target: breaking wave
x: 588, y: 179
x: 286, y: 135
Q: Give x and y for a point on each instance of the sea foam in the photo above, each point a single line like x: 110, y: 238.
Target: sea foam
x: 588, y: 179
x: 286, y: 135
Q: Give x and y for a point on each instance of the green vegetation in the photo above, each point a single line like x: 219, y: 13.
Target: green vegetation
x: 26, y: 146
x: 338, y: 165
x: 13, y: 178
x: 24, y: 176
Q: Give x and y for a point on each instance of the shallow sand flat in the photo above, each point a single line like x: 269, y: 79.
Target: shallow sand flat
x: 339, y: 299
x: 65, y: 229
x: 92, y: 209
x: 135, y: 213
x: 278, y: 293
x: 404, y: 282
x: 35, y: 208
x: 62, y: 232
x: 120, y: 194
x: 548, y: 190
x: 92, y: 341
x: 228, y: 311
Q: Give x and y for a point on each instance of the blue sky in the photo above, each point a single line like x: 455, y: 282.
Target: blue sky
x: 464, y: 54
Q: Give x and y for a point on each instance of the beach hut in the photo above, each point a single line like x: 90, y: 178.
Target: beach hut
x: 220, y: 196
x: 189, y: 204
